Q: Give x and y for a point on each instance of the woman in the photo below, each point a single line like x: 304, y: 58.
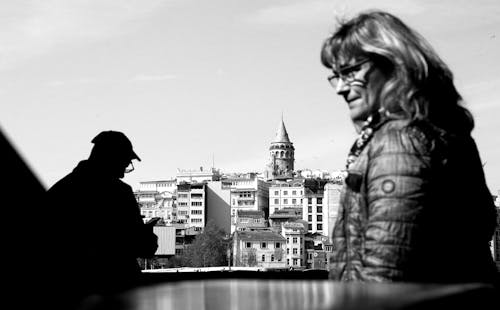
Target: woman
x: 415, y: 205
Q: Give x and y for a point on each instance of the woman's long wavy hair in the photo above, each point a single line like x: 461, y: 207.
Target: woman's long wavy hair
x: 420, y: 84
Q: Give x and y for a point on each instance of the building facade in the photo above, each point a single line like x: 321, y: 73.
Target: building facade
x: 218, y: 197
x: 286, y: 194
x: 197, y: 176
x: 250, y: 220
x: 258, y: 248
x: 294, y: 233
x: 191, y: 205
x: 247, y: 192
x: 314, y: 211
x: 331, y: 204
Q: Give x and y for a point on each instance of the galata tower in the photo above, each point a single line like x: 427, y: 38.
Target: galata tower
x: 282, y: 156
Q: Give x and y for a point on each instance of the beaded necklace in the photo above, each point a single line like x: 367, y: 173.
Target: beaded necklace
x: 367, y: 130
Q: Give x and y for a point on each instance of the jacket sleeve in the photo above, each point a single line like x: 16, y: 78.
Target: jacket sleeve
x: 143, y: 241
x: 397, y: 184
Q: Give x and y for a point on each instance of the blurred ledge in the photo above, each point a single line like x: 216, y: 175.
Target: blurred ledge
x: 252, y: 290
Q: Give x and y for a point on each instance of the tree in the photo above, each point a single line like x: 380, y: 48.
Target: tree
x: 208, y: 248
x: 278, y: 254
x: 174, y: 262
x: 252, y: 258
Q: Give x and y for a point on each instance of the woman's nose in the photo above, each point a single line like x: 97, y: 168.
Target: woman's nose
x: 342, y: 87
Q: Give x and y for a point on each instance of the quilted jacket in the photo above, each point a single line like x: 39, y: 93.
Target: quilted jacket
x: 415, y: 207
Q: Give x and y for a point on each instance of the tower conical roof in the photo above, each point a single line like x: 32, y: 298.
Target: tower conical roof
x: 281, y: 134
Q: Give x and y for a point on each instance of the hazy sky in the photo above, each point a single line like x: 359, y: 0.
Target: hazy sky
x: 193, y: 82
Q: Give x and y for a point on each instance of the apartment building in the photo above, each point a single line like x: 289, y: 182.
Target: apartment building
x: 331, y: 205
x: 197, y: 175
x: 258, y: 248
x: 286, y: 194
x: 218, y: 198
x: 247, y: 192
x: 246, y: 219
x: 157, y: 199
x: 191, y: 204
x: 314, y: 211
x: 294, y: 233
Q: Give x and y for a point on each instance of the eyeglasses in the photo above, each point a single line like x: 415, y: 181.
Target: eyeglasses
x: 347, y: 74
x: 129, y: 168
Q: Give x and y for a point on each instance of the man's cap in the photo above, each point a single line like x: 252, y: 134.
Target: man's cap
x: 116, y: 141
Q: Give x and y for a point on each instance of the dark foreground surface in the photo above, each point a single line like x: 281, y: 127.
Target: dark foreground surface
x: 289, y: 291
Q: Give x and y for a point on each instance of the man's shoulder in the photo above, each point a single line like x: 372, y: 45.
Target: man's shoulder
x: 124, y: 186
x: 63, y: 183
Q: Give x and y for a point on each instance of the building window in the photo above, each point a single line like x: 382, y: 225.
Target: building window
x: 320, y: 226
x: 287, y: 239
x: 285, y: 201
x: 310, y: 209
x: 288, y: 261
x: 294, y: 192
x: 294, y: 239
x: 294, y: 251
x: 319, y: 200
x: 276, y: 201
x: 285, y: 192
x: 319, y: 209
x: 309, y: 226
x: 295, y: 262
x: 277, y: 245
x: 263, y: 245
x: 276, y: 193
x: 196, y: 203
x: 249, y: 244
x: 263, y: 258
x: 319, y: 218
x: 272, y: 257
x: 288, y: 251
x: 294, y: 201
x: 310, y: 255
x: 309, y: 200
x: 310, y: 217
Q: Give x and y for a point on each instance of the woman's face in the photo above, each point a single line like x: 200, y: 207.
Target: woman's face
x: 360, y: 82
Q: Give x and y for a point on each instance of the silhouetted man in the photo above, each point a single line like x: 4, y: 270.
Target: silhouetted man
x: 98, y: 231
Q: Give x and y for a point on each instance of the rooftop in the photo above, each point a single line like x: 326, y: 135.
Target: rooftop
x: 262, y: 235
x: 251, y: 213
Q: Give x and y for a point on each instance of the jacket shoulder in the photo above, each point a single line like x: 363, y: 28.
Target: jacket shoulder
x: 405, y: 136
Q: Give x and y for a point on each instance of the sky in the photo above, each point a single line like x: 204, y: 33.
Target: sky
x: 197, y: 83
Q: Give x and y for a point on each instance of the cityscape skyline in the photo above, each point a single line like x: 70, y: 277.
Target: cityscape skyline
x: 206, y: 84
